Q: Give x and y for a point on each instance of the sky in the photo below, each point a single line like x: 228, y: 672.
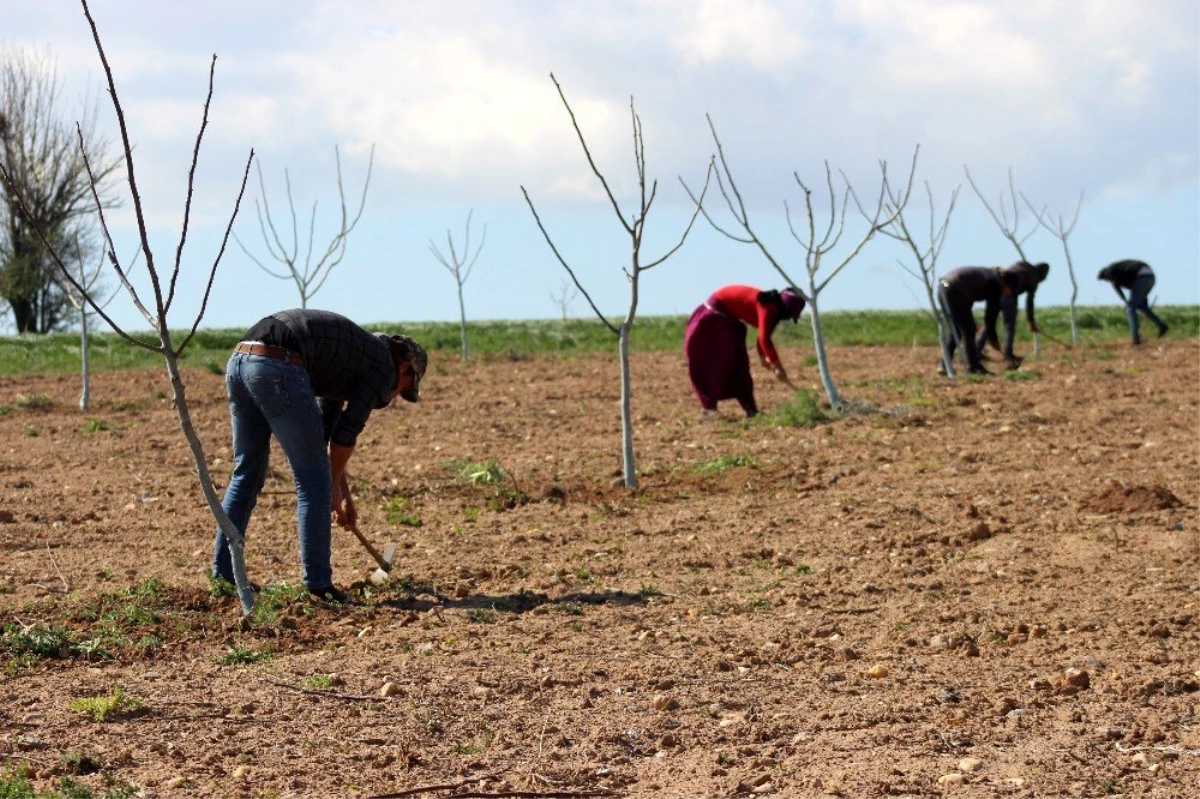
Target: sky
x: 1088, y: 104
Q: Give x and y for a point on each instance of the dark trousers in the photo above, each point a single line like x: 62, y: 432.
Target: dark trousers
x: 962, y: 326
x: 1139, y: 292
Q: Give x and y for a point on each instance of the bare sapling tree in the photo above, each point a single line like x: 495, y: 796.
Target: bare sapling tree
x: 459, y: 267
x: 87, y: 274
x: 563, y: 298
x: 925, y: 256
x: 38, y: 150
x: 164, y: 295
x: 1007, y: 216
x: 817, y: 245
x: 308, y: 270
x: 1061, y: 230
x: 635, y: 228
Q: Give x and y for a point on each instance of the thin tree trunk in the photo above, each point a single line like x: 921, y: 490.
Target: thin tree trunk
x: 629, y: 470
x: 1074, y: 323
x: 831, y: 392
x: 85, y: 392
x: 237, y: 544
x: 462, y: 320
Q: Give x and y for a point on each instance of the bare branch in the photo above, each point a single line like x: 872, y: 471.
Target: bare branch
x: 613, y: 328
x: 699, y: 204
x: 588, y: 154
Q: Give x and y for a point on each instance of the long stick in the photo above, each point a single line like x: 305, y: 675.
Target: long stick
x: 362, y: 539
x: 1056, y: 340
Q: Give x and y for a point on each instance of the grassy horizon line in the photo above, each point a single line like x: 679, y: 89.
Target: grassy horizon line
x: 57, y: 353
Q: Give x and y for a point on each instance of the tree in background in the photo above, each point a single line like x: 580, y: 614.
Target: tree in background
x: 307, y: 274
x: 86, y: 274
x: 634, y: 227
x: 925, y: 255
x: 563, y: 298
x: 817, y: 245
x: 46, y: 170
x: 460, y: 268
x: 164, y: 296
x: 1061, y: 230
x: 1007, y: 216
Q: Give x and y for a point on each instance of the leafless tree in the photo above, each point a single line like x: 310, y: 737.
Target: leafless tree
x: 87, y: 274
x: 1061, y: 230
x: 37, y: 149
x: 1007, y: 216
x: 460, y: 268
x: 163, y: 295
x: 816, y: 244
x: 925, y: 256
x: 635, y: 228
x: 307, y: 274
x: 563, y: 298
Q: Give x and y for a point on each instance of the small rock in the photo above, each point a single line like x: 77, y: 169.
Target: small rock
x: 1140, y: 758
x: 174, y: 782
x: 1016, y: 782
x: 1077, y: 678
x: 1015, y: 639
x: 664, y: 702
x: 979, y: 532
x: 241, y: 772
x: 948, y: 696
x: 877, y: 672
x: 939, y: 641
x: 951, y: 780
x: 389, y: 689
x: 969, y: 764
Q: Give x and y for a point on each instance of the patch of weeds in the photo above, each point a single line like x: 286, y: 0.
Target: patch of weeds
x: 900, y: 626
x: 34, y: 402
x: 94, y: 426
x: 648, y: 590
x: 570, y: 608
x: 1019, y: 375
x: 4, y: 410
x: 102, y: 708
x: 481, y: 616
x: 15, y: 784
x: 470, y: 513
x: 29, y: 644
x: 486, y: 472
x: 803, y: 568
x: 397, y: 512
x: 725, y: 463
x: 81, y: 763
x: 30, y: 431
x: 127, y: 405
x: 273, y: 599
x: 810, y: 360
x: 317, y: 682
x: 219, y: 587
x: 802, y: 410
x: 762, y: 604
x: 239, y: 655
x: 581, y: 573
x: 215, y: 368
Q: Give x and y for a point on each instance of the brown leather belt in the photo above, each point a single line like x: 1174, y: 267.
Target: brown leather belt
x: 269, y: 351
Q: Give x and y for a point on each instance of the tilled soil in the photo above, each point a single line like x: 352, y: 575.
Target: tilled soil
x: 973, y: 588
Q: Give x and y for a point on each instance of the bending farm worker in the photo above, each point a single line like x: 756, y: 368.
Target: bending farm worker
x: 715, y: 343
x: 1137, y: 278
x: 311, y: 379
x: 998, y: 288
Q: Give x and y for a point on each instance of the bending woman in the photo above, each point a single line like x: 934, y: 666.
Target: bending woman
x: 715, y: 342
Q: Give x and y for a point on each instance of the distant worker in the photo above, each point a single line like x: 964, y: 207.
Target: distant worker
x: 1138, y: 278
x: 997, y: 287
x: 715, y: 343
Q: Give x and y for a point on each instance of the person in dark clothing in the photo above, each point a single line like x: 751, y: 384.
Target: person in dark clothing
x: 998, y: 288
x: 1137, y: 278
x: 310, y: 378
x: 715, y: 343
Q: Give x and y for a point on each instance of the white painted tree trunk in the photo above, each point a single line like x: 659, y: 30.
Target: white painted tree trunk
x: 629, y: 470
x: 814, y: 315
x: 237, y: 544
x: 86, y: 391
x: 462, y: 321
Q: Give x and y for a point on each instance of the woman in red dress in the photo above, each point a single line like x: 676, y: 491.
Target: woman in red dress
x: 715, y: 342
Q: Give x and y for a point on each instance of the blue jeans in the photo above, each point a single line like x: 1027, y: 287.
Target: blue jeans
x: 1138, y: 294
x: 269, y: 396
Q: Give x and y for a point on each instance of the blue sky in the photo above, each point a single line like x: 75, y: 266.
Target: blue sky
x: 1094, y: 96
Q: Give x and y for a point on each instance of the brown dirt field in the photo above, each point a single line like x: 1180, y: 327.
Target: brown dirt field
x: 985, y: 588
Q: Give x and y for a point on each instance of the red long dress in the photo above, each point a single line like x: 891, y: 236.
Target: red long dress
x: 715, y: 345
